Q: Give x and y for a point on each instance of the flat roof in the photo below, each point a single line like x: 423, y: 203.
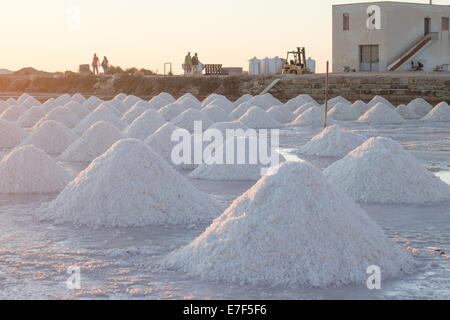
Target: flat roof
x: 393, y: 2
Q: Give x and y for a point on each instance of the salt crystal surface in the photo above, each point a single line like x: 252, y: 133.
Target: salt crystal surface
x: 381, y: 114
x: 257, y: 118
x: 11, y: 134
x: 145, y: 125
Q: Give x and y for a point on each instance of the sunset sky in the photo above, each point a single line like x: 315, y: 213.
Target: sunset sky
x: 146, y: 33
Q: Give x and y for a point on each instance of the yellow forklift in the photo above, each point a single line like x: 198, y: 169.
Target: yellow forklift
x: 295, y: 62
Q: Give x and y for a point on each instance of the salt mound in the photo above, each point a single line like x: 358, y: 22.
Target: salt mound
x: 187, y: 118
x: 332, y: 142
x: 51, y: 136
x: 3, y: 106
x: 24, y: 96
x: 381, y: 114
x: 171, y: 110
x: 120, y: 96
x: 233, y: 125
x: 334, y: 101
x: 313, y: 117
x: 420, y: 107
x: 188, y: 95
x: 30, y: 102
x: 145, y: 125
x: 281, y: 114
x: 257, y: 118
x: 130, y: 101
x: 295, y: 103
x: 161, y: 142
x: 216, y: 114
x: 292, y: 229
x: 133, y: 113
x: 440, y: 113
x: 31, y: 117
x: 242, y: 99
x: 379, y: 99
x: 78, y: 97
x: 190, y: 103
x: 157, y: 103
x: 380, y: 171
x: 92, y: 103
x: 77, y: 108
x: 93, y: 143
x: 49, y: 105
x: 304, y: 107
x: 119, y: 106
x: 271, y: 99
x: 306, y: 97
x: 167, y: 96
x: 361, y: 106
x: 63, y: 115
x: 212, y: 97
x: 240, y: 110
x: 223, y: 103
x: 11, y: 134
x: 102, y: 113
x: 62, y: 100
x: 130, y: 186
x: 29, y: 170
x: 12, y: 102
x: 263, y: 102
x: 13, y: 113
x: 405, y: 112
x: 344, y: 112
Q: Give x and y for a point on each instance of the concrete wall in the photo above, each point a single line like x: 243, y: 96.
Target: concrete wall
x: 402, y: 24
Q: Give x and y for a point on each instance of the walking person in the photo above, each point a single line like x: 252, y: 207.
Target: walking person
x: 188, y: 64
x: 95, y: 63
x: 195, y: 63
x: 105, y: 65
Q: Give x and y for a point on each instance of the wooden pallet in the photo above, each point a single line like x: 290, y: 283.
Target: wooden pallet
x: 213, y: 69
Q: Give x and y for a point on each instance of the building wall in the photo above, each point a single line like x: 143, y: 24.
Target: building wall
x: 402, y: 24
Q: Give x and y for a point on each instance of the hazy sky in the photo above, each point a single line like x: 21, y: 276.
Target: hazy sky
x: 146, y: 33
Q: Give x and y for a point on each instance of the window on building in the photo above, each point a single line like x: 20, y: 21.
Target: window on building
x: 346, y: 22
x: 445, y: 24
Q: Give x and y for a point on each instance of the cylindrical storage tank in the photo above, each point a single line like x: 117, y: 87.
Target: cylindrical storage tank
x: 311, y: 65
x: 253, y: 67
x: 264, y: 66
x: 275, y: 65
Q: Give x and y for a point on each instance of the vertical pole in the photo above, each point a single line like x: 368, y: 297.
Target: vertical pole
x: 326, y: 96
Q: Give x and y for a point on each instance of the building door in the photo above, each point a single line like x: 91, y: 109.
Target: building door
x: 369, y: 58
x: 427, y: 26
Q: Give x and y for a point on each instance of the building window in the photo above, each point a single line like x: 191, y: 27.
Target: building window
x: 445, y: 24
x: 346, y: 22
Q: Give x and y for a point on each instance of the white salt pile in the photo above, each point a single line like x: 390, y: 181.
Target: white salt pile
x: 189, y: 95
x: 92, y: 103
x: 24, y: 96
x: 130, y: 101
x: 380, y: 171
x: 379, y: 99
x: 49, y: 105
x: 420, y: 107
x: 29, y: 102
x: 77, y: 108
x: 263, y: 102
x: 241, y: 109
x: 130, y: 186
x: 333, y: 142
x: 223, y: 103
x: 157, y: 103
x: 304, y: 107
x: 62, y: 100
x: 216, y: 114
x: 405, y: 112
x: 167, y: 96
x: 3, y: 106
x: 295, y: 103
x: 272, y: 100
x: 31, y: 117
x: 120, y: 96
x: 12, y: 102
x: 257, y: 118
x: 232, y: 125
x: 187, y: 119
x: 63, y: 115
x: 250, y: 168
x: 161, y: 142
x: 381, y: 114
x: 334, y: 101
x: 281, y: 114
x: 242, y: 99
x: 29, y: 170
x: 344, y: 112
x: 11, y: 134
x: 133, y: 113
x: 78, y: 97
x: 102, y: 113
x: 306, y: 97
x: 440, y: 113
x: 313, y: 117
x: 13, y: 113
x: 212, y: 97
x: 190, y: 103
x: 51, y: 136
x: 171, y: 110
x: 292, y: 229
x: 119, y: 106
x: 145, y: 125
x: 93, y: 143
x: 361, y: 106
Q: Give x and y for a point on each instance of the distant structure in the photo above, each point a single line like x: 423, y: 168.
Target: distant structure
x: 84, y: 69
x: 232, y: 71
x: 391, y: 36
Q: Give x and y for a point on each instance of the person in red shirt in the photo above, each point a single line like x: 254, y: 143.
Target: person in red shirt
x: 95, y: 63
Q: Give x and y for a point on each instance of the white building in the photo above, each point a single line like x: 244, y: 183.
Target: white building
x: 390, y: 36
